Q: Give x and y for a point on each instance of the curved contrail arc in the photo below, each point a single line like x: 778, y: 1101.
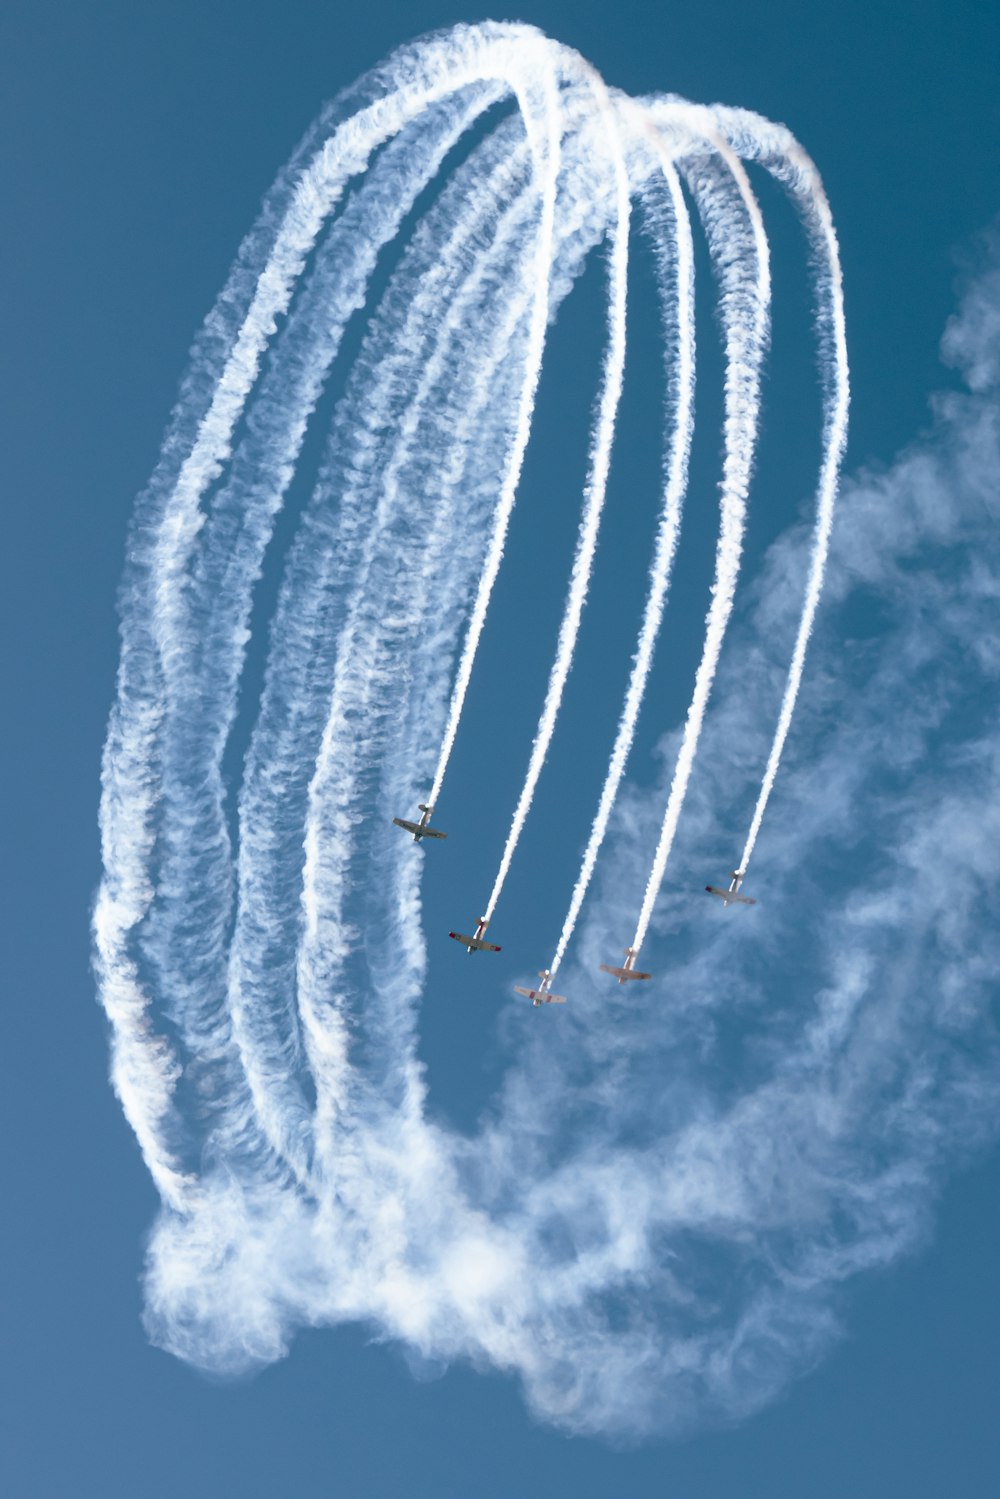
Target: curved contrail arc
x: 595, y: 490
x: 785, y: 159
x: 263, y: 984
x: 724, y: 232
x: 745, y: 307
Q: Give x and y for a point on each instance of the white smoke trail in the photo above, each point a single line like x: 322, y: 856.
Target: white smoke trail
x: 595, y: 490
x: 440, y: 474
x: 191, y: 959
x: 342, y: 755
x: 664, y: 548
x: 253, y: 963
x: 783, y: 155
x: 439, y: 69
x: 144, y: 1067
x: 323, y: 948
x: 508, y: 494
x: 744, y: 304
x: 668, y: 530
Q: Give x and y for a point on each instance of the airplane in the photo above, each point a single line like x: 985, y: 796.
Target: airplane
x: 476, y: 943
x: 628, y: 972
x: 544, y: 995
x: 419, y: 829
x: 728, y: 897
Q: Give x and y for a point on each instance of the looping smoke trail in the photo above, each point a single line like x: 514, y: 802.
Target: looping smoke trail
x: 595, y: 490
x: 756, y: 138
x: 388, y: 384
x: 156, y: 650
x: 744, y: 304
x: 785, y: 158
x: 724, y: 231
x: 262, y: 965
x: 608, y: 130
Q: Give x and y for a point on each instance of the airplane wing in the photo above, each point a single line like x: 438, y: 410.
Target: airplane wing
x: 624, y: 973
x: 555, y: 999
x: 401, y: 822
x: 729, y: 896
x: 528, y: 993
x: 476, y: 943
x: 433, y: 833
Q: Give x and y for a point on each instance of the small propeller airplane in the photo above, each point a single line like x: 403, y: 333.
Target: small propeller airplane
x: 544, y: 995
x: 476, y: 943
x: 628, y: 971
x: 732, y: 895
x: 419, y: 829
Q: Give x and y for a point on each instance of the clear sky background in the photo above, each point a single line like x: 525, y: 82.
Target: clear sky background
x: 139, y: 141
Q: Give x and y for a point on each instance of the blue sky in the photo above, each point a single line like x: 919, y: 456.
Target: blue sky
x: 145, y: 144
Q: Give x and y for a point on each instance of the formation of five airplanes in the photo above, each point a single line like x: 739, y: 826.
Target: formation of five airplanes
x: 543, y: 994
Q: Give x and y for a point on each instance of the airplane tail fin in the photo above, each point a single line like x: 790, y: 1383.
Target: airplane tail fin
x: 423, y: 808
